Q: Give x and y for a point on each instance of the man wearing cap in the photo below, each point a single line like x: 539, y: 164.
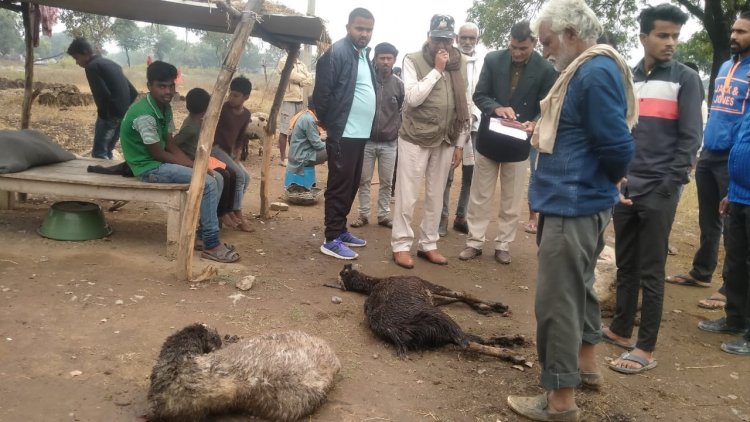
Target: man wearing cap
x: 382, y: 143
x: 433, y: 132
x: 344, y: 98
x: 512, y: 83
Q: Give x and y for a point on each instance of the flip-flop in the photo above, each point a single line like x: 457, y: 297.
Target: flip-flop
x: 224, y: 255
x: 645, y: 364
x: 706, y: 303
x: 199, y: 246
x: 686, y: 280
x: 610, y: 340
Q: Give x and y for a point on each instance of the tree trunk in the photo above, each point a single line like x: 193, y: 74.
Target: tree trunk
x: 127, y: 55
x: 29, y: 82
x: 206, y: 140
x: 271, y: 130
x: 718, y: 25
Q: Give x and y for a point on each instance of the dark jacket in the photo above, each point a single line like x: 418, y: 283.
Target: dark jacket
x: 493, y: 88
x: 390, y: 94
x: 335, y: 79
x: 669, y: 129
x: 593, y: 145
x: 112, y: 91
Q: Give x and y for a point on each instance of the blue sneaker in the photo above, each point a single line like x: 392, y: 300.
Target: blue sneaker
x: 351, y: 240
x: 338, y: 249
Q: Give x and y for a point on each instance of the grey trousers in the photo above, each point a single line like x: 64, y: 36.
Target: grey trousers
x: 566, y: 306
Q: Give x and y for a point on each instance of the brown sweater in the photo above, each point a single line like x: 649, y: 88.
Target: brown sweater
x: 230, y: 130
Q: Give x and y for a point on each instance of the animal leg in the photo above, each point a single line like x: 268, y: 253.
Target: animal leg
x: 443, y: 300
x: 498, y: 352
x: 477, y: 304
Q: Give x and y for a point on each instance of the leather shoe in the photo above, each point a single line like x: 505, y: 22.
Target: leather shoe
x: 403, y: 259
x: 719, y: 326
x: 502, y: 257
x: 739, y: 346
x: 469, y: 253
x: 433, y: 256
x: 460, y: 225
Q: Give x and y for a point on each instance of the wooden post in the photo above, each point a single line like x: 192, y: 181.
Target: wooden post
x: 265, y: 171
x: 208, y: 130
x: 29, y: 83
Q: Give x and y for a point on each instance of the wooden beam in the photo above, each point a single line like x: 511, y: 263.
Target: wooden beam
x: 208, y: 130
x: 29, y: 83
x: 265, y: 176
x: 11, y: 6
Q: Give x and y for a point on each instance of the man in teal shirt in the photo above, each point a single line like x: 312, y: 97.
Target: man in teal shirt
x: 146, y: 138
x: 345, y: 103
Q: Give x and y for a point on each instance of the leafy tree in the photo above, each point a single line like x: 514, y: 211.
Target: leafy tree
x: 95, y: 28
x: 128, y: 36
x: 11, y: 40
x: 697, y: 50
x: 495, y: 18
x: 162, y: 40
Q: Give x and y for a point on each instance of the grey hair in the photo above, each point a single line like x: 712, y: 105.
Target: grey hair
x: 471, y: 26
x: 569, y: 14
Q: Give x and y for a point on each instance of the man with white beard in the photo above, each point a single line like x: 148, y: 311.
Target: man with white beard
x: 467, y: 39
x: 584, y: 143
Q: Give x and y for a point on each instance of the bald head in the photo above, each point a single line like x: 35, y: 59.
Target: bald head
x: 467, y: 38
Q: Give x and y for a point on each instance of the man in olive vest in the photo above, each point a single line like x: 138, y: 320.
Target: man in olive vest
x: 433, y: 132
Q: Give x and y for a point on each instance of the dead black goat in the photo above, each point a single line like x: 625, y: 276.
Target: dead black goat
x: 403, y: 310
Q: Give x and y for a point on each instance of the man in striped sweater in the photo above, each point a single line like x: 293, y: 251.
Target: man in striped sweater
x: 667, y: 138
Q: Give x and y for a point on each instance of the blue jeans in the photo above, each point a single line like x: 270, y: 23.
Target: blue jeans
x: 106, y: 135
x: 385, y: 154
x: 209, y: 221
x: 243, y: 177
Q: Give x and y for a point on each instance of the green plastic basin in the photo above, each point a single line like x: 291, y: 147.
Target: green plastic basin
x: 74, y: 220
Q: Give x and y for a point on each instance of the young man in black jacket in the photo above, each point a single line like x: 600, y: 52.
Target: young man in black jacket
x: 345, y: 103
x: 112, y: 93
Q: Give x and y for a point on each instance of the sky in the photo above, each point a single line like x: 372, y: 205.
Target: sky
x: 403, y: 23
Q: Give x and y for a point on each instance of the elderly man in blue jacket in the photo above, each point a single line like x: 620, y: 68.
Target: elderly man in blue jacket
x: 345, y: 102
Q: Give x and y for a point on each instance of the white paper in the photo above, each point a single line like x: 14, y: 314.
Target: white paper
x: 498, y: 127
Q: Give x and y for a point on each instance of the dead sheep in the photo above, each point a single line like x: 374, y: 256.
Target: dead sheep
x: 403, y: 310
x: 280, y: 376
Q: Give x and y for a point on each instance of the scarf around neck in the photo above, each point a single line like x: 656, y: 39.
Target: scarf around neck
x: 545, y: 131
x: 453, y: 67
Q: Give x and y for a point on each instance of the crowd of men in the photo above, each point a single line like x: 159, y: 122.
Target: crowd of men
x: 610, y: 143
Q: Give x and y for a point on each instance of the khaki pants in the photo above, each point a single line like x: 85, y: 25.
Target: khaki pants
x: 417, y: 165
x: 512, y: 180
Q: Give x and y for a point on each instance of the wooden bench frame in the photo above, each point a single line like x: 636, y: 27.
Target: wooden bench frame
x: 72, y: 179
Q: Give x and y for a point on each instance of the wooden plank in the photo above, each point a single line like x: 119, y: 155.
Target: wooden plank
x: 7, y: 200
x: 208, y: 130
x: 125, y: 193
x: 74, y: 172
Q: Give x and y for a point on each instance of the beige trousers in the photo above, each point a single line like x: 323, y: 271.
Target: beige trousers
x: 417, y: 165
x: 512, y: 179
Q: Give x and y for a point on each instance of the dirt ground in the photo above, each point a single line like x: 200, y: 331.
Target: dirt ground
x: 104, y: 308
